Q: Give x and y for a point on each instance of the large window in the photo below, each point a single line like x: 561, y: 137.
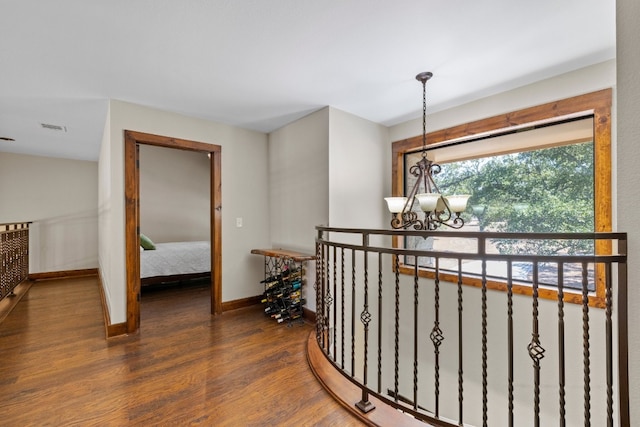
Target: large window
x: 547, y: 173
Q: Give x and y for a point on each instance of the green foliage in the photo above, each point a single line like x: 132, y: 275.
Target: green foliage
x: 547, y: 190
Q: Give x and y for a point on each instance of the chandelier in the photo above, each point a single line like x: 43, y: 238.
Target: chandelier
x: 438, y: 209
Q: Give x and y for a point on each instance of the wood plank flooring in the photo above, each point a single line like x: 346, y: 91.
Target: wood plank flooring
x: 184, y: 368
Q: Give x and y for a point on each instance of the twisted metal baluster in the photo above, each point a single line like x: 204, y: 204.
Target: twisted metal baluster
x: 460, y: 343
x: 585, y: 346
x: 342, y: 307
x: 335, y: 306
x: 353, y: 311
x: 437, y: 338
x: 365, y: 317
x: 329, y: 300
x: 380, y: 322
x: 536, y: 352
x: 485, y: 400
x: 510, y: 337
x: 397, y: 327
x: 316, y: 287
x: 609, y: 343
x: 561, y: 346
x: 415, y: 334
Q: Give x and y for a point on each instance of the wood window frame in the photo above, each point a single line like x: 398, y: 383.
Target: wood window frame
x: 596, y: 104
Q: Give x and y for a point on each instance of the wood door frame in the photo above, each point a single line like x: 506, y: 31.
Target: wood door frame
x: 132, y: 139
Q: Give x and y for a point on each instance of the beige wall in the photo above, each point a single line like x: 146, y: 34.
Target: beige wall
x: 358, y: 167
x: 174, y: 194
x: 628, y: 174
x: 244, y: 195
x: 299, y: 181
x: 60, y: 197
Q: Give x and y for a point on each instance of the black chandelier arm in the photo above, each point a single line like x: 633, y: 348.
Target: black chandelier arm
x: 406, y: 220
x: 431, y: 224
x: 445, y: 215
x: 416, y: 170
x: 457, y: 223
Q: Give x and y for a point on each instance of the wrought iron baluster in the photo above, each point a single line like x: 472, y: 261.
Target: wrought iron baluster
x: 536, y: 351
x: 415, y: 334
x: 379, y: 322
x: 335, y: 306
x: 328, y: 302
x: 323, y: 310
x: 397, y: 327
x: 609, y: 343
x: 353, y: 311
x: 316, y: 287
x: 586, y: 354
x: 365, y: 317
x: 437, y: 337
x: 561, y: 346
x: 460, y: 345
x: 510, y: 338
x: 342, y: 307
x: 485, y: 398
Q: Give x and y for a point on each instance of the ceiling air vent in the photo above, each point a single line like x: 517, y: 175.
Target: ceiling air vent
x: 54, y: 127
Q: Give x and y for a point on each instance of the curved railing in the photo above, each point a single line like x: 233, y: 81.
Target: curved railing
x: 422, y: 331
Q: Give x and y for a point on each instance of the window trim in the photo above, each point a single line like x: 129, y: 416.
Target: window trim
x: 597, y: 104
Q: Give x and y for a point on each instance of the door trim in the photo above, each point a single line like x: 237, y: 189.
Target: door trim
x: 132, y: 217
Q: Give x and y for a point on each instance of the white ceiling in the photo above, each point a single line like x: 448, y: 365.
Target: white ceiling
x: 260, y: 64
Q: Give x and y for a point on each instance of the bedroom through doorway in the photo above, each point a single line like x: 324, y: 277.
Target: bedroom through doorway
x: 174, y: 220
x: 182, y: 227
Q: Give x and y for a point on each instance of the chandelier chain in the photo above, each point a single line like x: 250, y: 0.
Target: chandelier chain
x: 424, y: 118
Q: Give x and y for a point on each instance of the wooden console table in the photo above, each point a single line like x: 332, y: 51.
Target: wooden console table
x: 283, y: 253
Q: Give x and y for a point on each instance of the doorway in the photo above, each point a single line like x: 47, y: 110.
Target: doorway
x: 132, y: 141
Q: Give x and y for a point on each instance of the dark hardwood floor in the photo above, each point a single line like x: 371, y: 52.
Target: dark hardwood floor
x: 184, y: 368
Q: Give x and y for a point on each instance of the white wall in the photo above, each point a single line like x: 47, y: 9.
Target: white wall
x: 244, y: 194
x: 60, y: 197
x: 174, y: 194
x: 628, y: 174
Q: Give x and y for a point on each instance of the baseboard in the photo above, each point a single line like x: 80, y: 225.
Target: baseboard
x: 241, y: 303
x: 110, y: 330
x: 116, y: 330
x: 67, y: 274
x: 309, y: 315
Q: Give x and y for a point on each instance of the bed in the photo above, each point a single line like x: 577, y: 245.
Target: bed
x: 175, y: 261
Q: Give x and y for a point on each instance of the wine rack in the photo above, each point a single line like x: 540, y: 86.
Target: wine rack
x: 283, y: 282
